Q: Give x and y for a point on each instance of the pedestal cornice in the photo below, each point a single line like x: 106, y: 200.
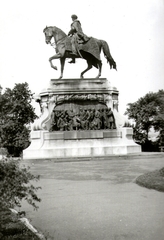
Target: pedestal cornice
x: 79, y: 86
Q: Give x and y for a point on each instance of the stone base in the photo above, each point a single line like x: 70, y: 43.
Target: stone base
x: 80, y: 144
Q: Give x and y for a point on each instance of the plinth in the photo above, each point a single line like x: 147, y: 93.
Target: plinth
x: 79, y: 118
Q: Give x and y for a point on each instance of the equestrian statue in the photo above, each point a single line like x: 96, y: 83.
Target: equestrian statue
x: 77, y: 45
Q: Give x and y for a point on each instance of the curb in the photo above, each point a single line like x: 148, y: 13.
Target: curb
x: 131, y: 156
x: 26, y: 222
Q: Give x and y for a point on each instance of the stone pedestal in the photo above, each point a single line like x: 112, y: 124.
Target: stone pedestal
x: 64, y: 130
x: 80, y: 144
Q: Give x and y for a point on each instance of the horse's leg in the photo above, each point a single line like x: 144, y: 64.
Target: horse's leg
x: 87, y: 69
x: 99, y: 67
x: 62, y: 62
x: 52, y: 58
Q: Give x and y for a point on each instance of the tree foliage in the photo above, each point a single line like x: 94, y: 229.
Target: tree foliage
x: 15, y: 184
x: 147, y: 112
x: 16, y: 112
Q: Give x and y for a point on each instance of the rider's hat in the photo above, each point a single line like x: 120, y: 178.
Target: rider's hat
x: 74, y: 16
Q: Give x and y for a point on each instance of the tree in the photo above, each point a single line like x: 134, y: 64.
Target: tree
x: 16, y: 113
x: 147, y: 113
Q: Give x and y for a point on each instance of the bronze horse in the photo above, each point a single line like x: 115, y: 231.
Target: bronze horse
x: 90, y: 51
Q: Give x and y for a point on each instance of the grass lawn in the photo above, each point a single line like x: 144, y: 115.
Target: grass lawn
x: 152, y: 180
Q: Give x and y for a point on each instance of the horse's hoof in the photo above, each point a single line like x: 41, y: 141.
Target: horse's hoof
x: 81, y: 76
x: 98, y: 76
x: 54, y: 67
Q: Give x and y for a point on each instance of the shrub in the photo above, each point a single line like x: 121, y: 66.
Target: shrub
x: 15, y: 184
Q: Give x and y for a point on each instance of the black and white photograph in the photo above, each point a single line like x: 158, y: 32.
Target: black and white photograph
x: 82, y: 120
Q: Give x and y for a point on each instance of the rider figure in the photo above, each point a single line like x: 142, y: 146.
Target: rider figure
x: 77, y: 35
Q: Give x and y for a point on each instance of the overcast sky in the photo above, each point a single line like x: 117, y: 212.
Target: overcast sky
x: 134, y: 30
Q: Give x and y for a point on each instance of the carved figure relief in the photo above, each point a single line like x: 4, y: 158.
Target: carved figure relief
x: 84, y: 119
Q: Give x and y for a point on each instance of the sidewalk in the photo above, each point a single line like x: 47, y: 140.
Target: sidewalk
x: 98, y: 200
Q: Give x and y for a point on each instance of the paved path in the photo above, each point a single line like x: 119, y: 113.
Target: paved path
x: 98, y: 200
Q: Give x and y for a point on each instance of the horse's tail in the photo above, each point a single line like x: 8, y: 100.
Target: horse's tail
x: 107, y: 55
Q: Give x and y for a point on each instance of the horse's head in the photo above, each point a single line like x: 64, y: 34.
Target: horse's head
x: 48, y: 31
